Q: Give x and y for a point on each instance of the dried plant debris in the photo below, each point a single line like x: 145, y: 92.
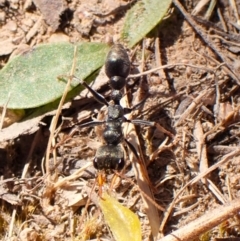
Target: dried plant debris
x: 6, y: 194
x: 51, y: 11
x: 186, y: 74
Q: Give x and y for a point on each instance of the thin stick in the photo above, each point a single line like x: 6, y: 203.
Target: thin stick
x: 4, y: 113
x: 168, y: 66
x: 204, y: 223
x: 56, y: 117
x: 224, y: 160
x: 161, y: 74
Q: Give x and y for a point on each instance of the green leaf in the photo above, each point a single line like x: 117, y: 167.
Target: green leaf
x: 142, y: 18
x: 30, y: 80
x: 123, y: 223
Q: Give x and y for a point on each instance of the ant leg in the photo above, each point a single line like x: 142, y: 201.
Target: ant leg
x: 101, y: 180
x: 92, y: 124
x: 114, y: 180
x: 88, y: 124
x: 76, y: 128
x: 98, y: 97
x: 133, y: 150
x: 135, y: 107
x: 151, y: 123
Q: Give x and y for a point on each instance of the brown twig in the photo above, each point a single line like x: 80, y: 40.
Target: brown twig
x: 206, y: 39
x: 204, y: 223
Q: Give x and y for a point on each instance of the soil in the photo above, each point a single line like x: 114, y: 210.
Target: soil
x: 195, y: 100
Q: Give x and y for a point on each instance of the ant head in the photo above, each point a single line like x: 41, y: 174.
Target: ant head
x: 108, y: 158
x: 117, y: 82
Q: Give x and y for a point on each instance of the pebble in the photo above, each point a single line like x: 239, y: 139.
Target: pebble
x: 27, y: 4
x: 14, y: 4
x: 58, y: 37
x: 12, y: 26
x: 2, y: 16
x: 28, y: 22
x: 28, y: 234
x: 19, y: 38
x: 6, y: 47
x: 2, y: 3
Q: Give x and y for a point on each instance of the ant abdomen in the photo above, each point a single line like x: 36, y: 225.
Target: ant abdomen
x: 117, y: 63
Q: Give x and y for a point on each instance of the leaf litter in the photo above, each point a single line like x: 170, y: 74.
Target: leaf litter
x: 205, y: 135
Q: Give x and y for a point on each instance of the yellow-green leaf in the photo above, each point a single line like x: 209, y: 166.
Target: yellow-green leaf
x: 123, y: 223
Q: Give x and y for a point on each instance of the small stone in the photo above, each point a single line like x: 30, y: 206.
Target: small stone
x: 27, y: 4
x: 2, y: 3
x: 12, y: 26
x: 28, y: 22
x: 58, y: 37
x: 2, y: 16
x: 5, y: 34
x: 28, y: 234
x: 14, y: 4
x: 18, y: 39
x: 6, y: 47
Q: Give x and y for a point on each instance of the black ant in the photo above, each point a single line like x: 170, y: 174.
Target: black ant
x: 110, y: 156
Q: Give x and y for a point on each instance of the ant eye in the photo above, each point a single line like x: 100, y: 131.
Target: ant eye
x: 121, y: 164
x: 96, y: 164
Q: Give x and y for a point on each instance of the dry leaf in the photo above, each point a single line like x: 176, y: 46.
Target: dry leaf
x: 51, y: 11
